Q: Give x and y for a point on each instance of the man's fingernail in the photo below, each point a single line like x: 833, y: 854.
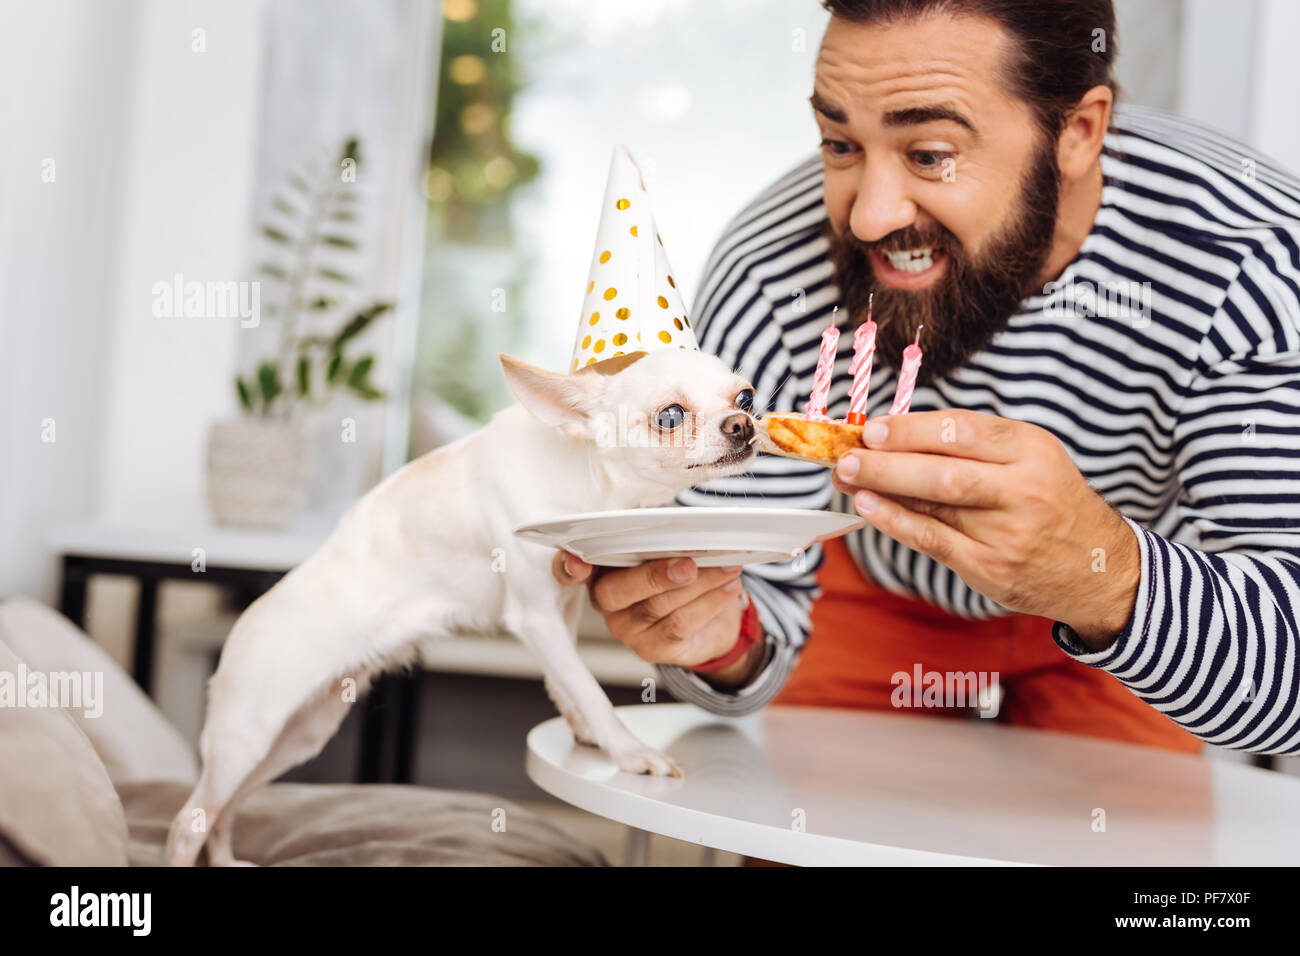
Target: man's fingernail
x: 680, y: 571
x: 732, y: 586
x: 876, y: 432
x: 568, y: 566
x: 732, y: 569
x: 866, y: 502
x: 848, y: 466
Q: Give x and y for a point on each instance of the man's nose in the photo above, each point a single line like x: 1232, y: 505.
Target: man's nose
x: 881, y: 205
x: 738, y: 427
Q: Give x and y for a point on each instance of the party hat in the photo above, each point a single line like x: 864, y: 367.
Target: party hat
x: 633, y: 303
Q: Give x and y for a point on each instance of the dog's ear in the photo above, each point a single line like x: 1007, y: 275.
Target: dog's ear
x: 561, y: 401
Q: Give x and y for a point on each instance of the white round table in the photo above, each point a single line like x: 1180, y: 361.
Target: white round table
x: 810, y: 786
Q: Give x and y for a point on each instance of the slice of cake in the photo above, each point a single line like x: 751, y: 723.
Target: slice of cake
x: 796, y: 436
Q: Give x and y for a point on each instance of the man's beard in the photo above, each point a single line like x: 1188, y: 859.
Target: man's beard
x: 974, y: 299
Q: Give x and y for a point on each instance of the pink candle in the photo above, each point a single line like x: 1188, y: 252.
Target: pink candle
x: 907, y: 376
x: 864, y: 349
x: 822, y: 379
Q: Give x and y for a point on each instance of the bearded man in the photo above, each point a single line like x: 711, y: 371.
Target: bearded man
x: 1095, y: 499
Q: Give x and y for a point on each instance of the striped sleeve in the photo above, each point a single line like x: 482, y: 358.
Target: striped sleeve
x: 1213, y: 641
x: 736, y: 322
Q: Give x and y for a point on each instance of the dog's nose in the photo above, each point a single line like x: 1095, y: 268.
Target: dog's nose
x: 738, y: 427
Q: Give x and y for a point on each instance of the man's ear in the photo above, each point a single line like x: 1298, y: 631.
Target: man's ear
x: 561, y: 401
x: 1085, y: 127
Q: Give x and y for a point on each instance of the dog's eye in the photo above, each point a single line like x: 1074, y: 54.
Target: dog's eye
x: 670, y: 417
x: 745, y: 400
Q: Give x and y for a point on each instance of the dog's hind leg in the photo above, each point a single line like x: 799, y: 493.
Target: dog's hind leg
x: 228, y: 759
x: 247, y: 714
x: 302, y: 738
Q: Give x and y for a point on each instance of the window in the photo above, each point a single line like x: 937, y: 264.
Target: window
x: 712, y: 101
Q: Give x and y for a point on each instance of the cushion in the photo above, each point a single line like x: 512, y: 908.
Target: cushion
x: 131, y: 736
x: 306, y: 824
x: 57, y: 803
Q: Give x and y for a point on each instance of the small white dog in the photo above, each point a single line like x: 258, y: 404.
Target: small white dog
x: 418, y: 557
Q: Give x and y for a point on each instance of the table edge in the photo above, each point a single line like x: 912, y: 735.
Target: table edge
x: 762, y: 841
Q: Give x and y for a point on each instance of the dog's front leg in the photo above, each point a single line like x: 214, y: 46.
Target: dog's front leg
x: 572, y: 683
x: 582, y: 733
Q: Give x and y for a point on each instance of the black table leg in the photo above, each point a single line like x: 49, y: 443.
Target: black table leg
x: 373, y: 720
x: 145, y: 614
x: 72, y: 596
x: 388, y: 729
x: 1265, y: 761
x: 408, y: 714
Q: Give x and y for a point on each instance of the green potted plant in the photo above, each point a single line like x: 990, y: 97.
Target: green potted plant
x: 257, y: 465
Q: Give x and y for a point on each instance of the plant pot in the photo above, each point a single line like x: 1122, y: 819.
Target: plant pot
x: 343, y: 449
x: 256, y: 472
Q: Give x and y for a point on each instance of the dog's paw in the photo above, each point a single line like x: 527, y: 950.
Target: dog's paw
x: 645, y: 760
x: 582, y: 733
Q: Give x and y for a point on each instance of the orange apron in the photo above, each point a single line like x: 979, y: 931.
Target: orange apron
x: 862, y: 635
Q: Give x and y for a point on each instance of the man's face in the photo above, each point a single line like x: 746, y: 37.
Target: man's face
x: 941, y: 191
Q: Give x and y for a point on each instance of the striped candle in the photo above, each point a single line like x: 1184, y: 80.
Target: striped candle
x: 822, y: 379
x: 864, y: 350
x: 907, y: 376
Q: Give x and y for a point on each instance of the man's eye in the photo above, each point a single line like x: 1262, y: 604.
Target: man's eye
x: 670, y: 417
x: 929, y: 159
x: 837, y: 147
x: 745, y: 400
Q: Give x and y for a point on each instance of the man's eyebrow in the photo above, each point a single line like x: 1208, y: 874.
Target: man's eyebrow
x: 913, y: 116
x: 828, y: 109
x: 916, y: 115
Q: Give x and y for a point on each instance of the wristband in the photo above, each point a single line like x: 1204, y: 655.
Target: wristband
x: 751, y: 632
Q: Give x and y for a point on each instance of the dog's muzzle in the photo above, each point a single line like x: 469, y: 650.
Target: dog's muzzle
x: 739, y: 428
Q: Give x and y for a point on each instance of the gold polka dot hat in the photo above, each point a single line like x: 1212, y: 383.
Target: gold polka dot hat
x: 633, y: 302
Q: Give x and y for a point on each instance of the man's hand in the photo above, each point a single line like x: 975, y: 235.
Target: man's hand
x: 669, y: 611
x: 1001, y: 504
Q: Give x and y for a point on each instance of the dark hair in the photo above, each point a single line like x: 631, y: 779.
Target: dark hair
x: 1056, y: 56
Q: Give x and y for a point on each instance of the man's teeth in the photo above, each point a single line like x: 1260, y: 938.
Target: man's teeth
x: 910, y: 260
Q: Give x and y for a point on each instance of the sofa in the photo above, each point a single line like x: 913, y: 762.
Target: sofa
x: 91, y: 774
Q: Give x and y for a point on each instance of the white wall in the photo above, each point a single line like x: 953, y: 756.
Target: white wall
x: 1147, y: 67
x: 67, y: 71
x: 1274, y: 125
x: 152, y: 152
x: 1240, y: 72
x: 1217, y: 76
x: 187, y: 202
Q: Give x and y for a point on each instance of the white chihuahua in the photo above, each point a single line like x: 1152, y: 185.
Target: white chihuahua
x: 416, y: 556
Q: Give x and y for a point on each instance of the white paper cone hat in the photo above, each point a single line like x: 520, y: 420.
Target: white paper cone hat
x: 632, y: 303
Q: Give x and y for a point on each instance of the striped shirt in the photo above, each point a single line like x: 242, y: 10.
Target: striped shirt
x: 1183, y: 413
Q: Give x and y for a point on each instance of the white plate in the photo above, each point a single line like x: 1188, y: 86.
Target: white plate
x: 713, y: 537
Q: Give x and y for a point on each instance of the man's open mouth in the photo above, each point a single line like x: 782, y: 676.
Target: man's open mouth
x: 911, y: 260
x: 730, y: 458
x: 909, y: 268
